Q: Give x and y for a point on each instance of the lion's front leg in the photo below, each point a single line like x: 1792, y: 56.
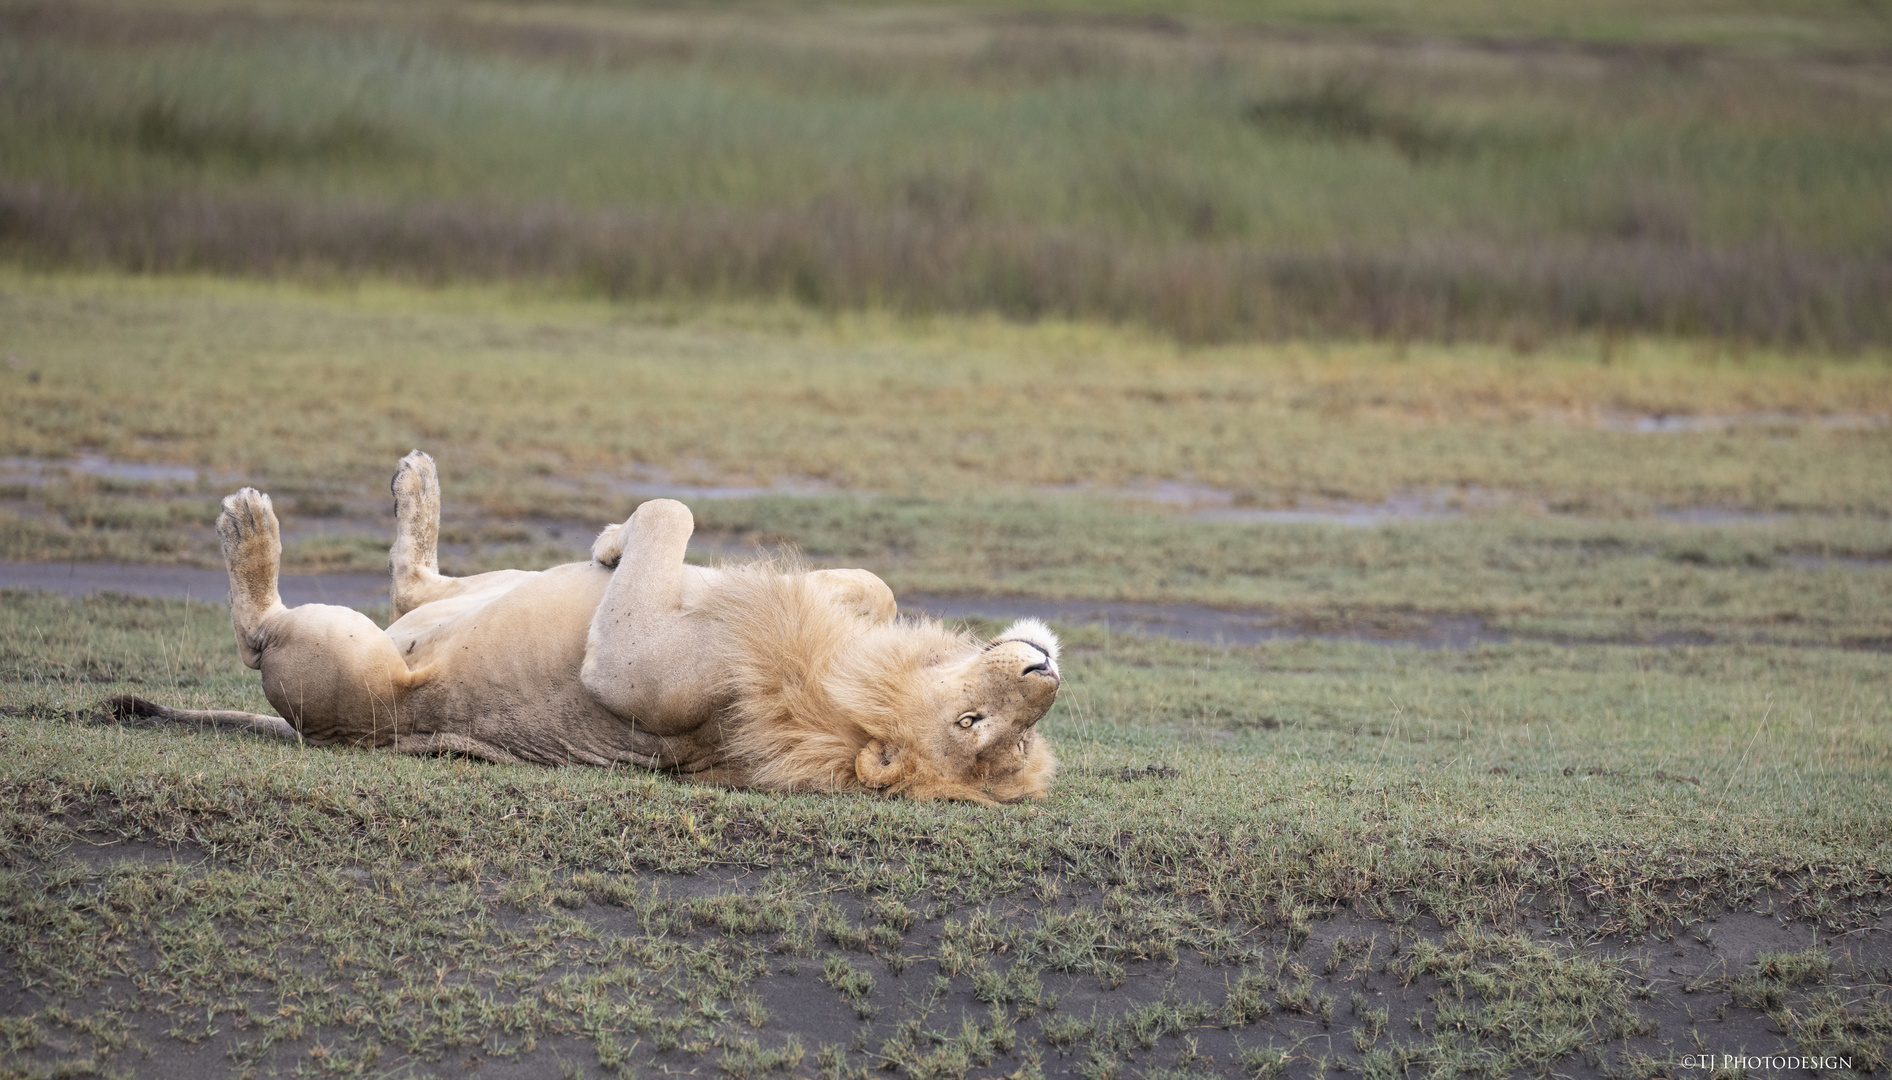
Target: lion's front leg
x: 640, y: 661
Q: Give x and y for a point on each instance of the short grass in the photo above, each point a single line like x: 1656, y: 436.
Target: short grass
x: 1252, y: 856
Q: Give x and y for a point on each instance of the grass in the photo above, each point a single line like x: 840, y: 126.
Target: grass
x: 1500, y: 829
x: 1500, y: 172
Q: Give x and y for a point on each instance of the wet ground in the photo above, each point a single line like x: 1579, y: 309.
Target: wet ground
x: 1195, y: 623
x: 1202, y: 624
x: 1186, y: 622
x: 316, y: 523
x: 187, y: 583
x: 1199, y: 502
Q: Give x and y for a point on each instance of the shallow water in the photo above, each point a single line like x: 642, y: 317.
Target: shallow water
x: 1191, y: 501
x: 39, y: 472
x: 1202, y: 624
x: 187, y: 583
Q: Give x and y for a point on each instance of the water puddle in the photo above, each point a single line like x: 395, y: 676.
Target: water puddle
x: 1191, y: 501
x: 187, y: 583
x: 1711, y: 515
x: 656, y: 482
x: 1184, y: 622
x: 39, y: 472
x: 1839, y: 562
x: 1352, y: 515
x: 1198, y: 502
x: 1672, y: 423
x: 1201, y: 624
x: 711, y: 492
x: 1195, y: 623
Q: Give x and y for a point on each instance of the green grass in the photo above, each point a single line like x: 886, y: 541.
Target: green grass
x: 1510, y: 172
x: 1446, y: 800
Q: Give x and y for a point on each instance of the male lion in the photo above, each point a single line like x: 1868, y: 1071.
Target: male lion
x: 748, y: 676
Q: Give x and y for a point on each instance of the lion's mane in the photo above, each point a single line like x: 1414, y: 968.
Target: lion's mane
x: 813, y: 683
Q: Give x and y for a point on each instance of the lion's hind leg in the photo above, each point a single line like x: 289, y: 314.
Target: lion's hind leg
x: 414, y: 573
x: 414, y: 560
x: 329, y: 670
x: 252, y: 553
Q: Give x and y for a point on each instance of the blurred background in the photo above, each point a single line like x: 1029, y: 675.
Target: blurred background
x: 1211, y: 169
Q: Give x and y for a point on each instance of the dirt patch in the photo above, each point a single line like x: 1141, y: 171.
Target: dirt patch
x: 1130, y: 773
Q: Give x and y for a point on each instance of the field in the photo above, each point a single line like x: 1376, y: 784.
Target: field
x: 1518, y: 371
x: 1653, y: 822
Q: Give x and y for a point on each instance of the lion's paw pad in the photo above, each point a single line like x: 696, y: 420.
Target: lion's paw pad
x: 414, y: 477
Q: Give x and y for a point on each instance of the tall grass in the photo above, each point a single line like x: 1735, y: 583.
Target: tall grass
x: 1209, y: 183
x: 841, y: 255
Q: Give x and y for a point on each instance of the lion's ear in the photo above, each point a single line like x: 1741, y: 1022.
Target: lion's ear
x: 878, y: 765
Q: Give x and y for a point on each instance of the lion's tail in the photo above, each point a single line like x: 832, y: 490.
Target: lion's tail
x: 133, y: 707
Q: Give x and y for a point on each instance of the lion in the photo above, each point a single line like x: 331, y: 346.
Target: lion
x: 760, y: 676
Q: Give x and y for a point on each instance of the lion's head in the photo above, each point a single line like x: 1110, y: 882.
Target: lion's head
x: 827, y: 698
x: 976, y: 737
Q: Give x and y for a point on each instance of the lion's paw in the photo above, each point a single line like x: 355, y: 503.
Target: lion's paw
x: 608, y: 548
x: 247, y: 519
x: 415, y: 481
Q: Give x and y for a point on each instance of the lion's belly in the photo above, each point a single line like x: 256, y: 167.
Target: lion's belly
x: 506, y: 673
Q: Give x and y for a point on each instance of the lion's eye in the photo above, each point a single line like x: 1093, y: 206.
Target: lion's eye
x: 969, y: 719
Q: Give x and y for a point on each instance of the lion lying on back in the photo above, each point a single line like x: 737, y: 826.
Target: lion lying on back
x: 747, y: 676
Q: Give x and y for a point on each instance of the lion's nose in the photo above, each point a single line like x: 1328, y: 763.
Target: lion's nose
x: 1043, y: 666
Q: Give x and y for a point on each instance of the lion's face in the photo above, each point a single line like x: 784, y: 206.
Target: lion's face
x: 980, y: 742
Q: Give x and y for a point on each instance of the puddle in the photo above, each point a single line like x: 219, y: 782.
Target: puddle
x: 1709, y: 515
x: 38, y: 472
x: 1206, y: 625
x: 187, y: 583
x: 1196, y: 623
x: 1670, y: 423
x: 689, y: 492
x: 1184, y: 622
x: 656, y: 482
x: 1191, y: 501
x: 1200, y: 502
x: 1358, y: 516
x: 1844, y: 562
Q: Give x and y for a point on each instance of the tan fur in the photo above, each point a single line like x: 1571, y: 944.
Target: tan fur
x: 813, y: 691
x: 765, y: 676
